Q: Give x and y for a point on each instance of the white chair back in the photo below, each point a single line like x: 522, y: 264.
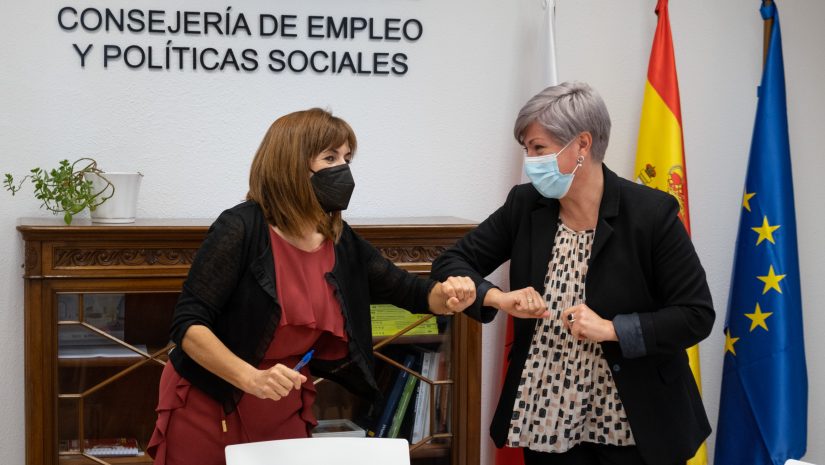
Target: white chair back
x: 796, y: 462
x: 321, y: 451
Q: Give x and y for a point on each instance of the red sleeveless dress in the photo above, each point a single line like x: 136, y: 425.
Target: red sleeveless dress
x: 189, y: 426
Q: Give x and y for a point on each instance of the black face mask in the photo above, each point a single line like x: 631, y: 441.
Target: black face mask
x: 333, y: 187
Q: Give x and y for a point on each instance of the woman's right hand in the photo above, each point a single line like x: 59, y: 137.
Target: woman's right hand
x: 521, y: 303
x: 274, y: 383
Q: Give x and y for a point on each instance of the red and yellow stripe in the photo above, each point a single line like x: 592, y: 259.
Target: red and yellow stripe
x: 660, y: 154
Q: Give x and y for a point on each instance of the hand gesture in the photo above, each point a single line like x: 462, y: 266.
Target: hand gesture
x: 274, y: 383
x: 521, y: 303
x: 455, y: 294
x: 584, y: 323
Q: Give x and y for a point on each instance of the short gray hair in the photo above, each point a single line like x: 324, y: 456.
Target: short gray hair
x: 565, y: 111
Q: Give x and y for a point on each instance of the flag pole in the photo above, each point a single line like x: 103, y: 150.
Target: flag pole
x: 766, y: 34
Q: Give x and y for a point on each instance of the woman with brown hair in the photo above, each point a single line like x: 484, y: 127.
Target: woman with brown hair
x: 277, y: 276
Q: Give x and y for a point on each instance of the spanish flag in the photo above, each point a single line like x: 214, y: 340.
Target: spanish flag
x: 660, y: 155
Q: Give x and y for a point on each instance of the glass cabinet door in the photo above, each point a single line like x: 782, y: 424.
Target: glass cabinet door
x: 111, y: 350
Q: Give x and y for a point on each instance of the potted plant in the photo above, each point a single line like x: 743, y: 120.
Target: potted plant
x: 74, y: 186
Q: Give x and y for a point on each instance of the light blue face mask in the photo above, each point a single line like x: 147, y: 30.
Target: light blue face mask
x: 543, y: 172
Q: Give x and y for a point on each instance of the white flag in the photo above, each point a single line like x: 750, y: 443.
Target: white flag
x: 550, y: 28
x: 548, y: 47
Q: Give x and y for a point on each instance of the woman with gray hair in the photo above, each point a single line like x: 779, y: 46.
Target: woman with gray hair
x: 608, y: 293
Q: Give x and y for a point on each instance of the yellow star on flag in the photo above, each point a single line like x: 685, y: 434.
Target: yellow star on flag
x: 771, y: 281
x: 729, y: 342
x: 758, y: 318
x: 746, y: 200
x: 765, y: 231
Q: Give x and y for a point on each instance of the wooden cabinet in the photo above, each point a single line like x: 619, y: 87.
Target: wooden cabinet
x: 98, y: 301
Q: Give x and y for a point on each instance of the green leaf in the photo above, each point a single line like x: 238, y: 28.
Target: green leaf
x: 63, y: 189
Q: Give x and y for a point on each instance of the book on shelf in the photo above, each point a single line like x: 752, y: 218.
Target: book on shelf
x: 404, y: 400
x: 387, y: 320
x: 421, y: 423
x: 383, y: 424
x: 442, y: 392
x: 111, y: 350
x: 409, y: 417
x: 112, y: 447
x: 338, y: 428
x: 77, y: 335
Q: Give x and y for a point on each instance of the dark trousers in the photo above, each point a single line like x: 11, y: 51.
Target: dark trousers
x: 586, y: 454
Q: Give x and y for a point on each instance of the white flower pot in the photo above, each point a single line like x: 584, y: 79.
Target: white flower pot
x: 122, y: 206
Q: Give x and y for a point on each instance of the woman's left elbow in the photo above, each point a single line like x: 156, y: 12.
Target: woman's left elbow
x: 704, y: 322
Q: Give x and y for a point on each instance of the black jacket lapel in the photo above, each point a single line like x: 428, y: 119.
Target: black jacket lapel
x: 608, y: 208
x: 263, y: 268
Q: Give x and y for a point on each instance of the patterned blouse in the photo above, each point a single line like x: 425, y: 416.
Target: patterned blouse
x: 566, y: 395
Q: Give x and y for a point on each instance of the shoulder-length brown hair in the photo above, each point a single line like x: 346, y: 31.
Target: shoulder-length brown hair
x: 279, y: 176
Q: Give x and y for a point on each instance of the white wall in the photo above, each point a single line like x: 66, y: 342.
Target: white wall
x: 434, y: 142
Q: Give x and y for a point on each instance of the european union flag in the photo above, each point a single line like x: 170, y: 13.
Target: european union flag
x: 763, y: 412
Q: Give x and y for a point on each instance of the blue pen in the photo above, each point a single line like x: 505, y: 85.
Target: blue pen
x: 307, y: 357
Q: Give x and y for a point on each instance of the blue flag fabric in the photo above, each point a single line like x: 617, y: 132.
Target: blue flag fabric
x: 763, y: 411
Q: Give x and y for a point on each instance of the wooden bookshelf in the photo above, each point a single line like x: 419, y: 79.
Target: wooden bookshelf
x: 146, y: 262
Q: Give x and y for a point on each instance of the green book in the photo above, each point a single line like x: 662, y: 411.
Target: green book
x: 387, y: 320
x: 401, y: 409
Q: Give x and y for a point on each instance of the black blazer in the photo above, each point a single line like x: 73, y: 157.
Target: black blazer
x: 642, y: 261
x: 231, y: 290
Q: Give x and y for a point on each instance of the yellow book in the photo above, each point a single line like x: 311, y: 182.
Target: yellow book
x: 389, y: 319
